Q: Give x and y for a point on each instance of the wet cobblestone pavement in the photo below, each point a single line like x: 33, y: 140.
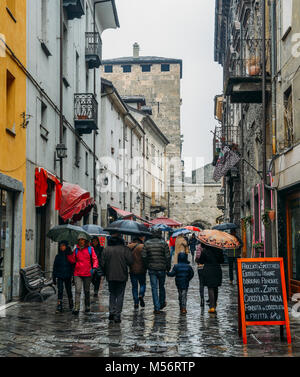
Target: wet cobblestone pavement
x: 33, y: 329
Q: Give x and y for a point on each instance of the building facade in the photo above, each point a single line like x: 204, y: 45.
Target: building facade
x: 64, y: 105
x: 13, y: 187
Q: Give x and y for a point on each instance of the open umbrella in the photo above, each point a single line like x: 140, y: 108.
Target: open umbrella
x: 218, y: 239
x: 162, y: 227
x: 180, y: 231
x: 192, y: 228
x: 128, y: 227
x: 66, y: 232
x: 225, y: 226
x: 94, y: 230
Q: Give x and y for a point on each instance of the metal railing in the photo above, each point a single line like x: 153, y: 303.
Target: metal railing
x: 93, y: 44
x: 85, y: 107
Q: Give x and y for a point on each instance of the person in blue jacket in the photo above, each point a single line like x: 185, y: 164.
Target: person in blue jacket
x: 62, y: 275
x: 183, y: 273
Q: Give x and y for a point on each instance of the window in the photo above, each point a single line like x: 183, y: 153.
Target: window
x: 165, y: 67
x: 86, y: 163
x: 146, y: 68
x: 65, y: 59
x: 77, y: 76
x: 44, y: 5
x: 126, y: 68
x: 10, y: 101
x: 77, y: 153
x: 288, y: 118
x: 108, y: 69
x: 43, y: 125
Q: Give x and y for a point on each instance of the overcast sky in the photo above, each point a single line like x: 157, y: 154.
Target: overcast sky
x: 181, y: 29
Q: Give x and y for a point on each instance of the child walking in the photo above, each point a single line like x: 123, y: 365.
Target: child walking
x: 183, y: 273
x: 62, y: 275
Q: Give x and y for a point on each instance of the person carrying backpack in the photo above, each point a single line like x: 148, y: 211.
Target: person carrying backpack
x: 86, y: 263
x: 62, y: 275
x: 183, y: 273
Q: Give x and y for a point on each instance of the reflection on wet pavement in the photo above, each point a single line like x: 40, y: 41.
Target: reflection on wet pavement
x: 33, y: 329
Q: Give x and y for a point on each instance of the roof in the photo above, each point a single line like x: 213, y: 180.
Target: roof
x: 144, y: 60
x: 134, y: 99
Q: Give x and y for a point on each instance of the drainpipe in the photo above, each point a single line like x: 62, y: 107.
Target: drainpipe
x: 61, y: 86
x: 274, y: 64
x: 263, y: 4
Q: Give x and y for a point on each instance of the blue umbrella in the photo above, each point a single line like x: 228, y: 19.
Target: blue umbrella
x: 94, y: 230
x: 225, y: 226
x: 162, y: 227
x: 180, y: 231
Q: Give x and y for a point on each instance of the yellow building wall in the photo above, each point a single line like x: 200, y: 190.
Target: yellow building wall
x: 13, y: 148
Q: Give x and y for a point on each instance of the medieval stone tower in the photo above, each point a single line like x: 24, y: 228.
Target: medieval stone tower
x: 158, y: 80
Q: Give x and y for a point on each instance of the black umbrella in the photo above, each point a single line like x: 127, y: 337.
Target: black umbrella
x: 225, y: 226
x: 128, y: 227
x: 67, y: 232
x: 94, y: 230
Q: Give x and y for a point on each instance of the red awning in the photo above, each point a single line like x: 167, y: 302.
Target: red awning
x: 122, y: 213
x: 75, y: 203
x: 166, y: 221
x: 41, y: 187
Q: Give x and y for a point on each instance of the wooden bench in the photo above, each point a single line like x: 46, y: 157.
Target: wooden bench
x: 35, y: 280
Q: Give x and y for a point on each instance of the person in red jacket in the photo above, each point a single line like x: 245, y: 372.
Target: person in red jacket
x: 86, y: 261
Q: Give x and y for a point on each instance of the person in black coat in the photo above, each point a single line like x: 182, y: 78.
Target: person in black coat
x: 183, y: 273
x: 62, y: 275
x: 96, y: 277
x: 212, y: 257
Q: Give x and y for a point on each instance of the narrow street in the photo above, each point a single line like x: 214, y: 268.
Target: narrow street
x: 33, y: 329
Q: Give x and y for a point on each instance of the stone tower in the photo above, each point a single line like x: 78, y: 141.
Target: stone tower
x: 158, y: 80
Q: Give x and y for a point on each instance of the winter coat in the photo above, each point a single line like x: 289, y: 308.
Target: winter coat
x: 98, y: 250
x: 82, y: 261
x: 156, y: 255
x: 138, y: 267
x: 212, y: 273
x: 62, y: 268
x: 192, y: 243
x: 182, y: 271
x: 115, y: 259
x: 181, y: 245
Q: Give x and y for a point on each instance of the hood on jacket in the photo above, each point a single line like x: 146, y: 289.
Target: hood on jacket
x: 115, y: 241
x: 183, y: 258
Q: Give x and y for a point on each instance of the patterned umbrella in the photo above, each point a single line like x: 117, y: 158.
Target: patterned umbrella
x: 218, y: 239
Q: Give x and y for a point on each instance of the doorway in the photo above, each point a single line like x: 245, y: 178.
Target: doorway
x: 293, y: 241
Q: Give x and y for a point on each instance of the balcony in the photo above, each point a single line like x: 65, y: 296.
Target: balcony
x: 74, y: 8
x: 85, y: 113
x: 93, y: 49
x: 217, y: 144
x: 243, y: 76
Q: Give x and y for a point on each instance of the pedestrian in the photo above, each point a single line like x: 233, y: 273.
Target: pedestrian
x: 232, y: 256
x: 181, y: 246
x: 212, y: 257
x: 138, y: 272
x: 183, y: 273
x: 156, y: 258
x: 86, y: 262
x: 192, y: 244
x: 96, y: 280
x: 172, y: 246
x: 200, y: 273
x: 115, y: 260
x: 62, y: 275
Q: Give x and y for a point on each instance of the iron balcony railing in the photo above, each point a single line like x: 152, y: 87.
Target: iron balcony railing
x: 93, y: 49
x: 85, y: 112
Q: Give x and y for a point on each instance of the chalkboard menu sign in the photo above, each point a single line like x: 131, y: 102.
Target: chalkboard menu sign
x: 262, y: 294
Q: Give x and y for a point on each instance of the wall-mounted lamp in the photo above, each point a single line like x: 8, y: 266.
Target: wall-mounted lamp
x: 61, y: 151
x: 105, y: 181
x: 138, y: 198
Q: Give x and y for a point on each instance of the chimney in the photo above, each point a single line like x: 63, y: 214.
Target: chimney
x: 136, y: 50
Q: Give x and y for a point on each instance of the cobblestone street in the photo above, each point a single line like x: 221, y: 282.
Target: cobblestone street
x: 33, y: 329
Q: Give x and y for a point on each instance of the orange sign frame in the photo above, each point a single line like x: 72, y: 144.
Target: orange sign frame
x: 242, y: 317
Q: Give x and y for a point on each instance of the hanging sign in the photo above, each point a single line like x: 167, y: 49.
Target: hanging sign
x: 262, y: 294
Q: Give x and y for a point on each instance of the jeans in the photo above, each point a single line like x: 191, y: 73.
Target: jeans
x: 231, y: 261
x: 157, y: 280
x: 136, y: 280
x: 60, y: 288
x: 116, y: 297
x: 84, y: 281
x: 182, y: 297
x: 201, y: 283
x: 213, y: 297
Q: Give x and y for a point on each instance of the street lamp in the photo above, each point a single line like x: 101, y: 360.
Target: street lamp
x: 61, y: 151
x: 138, y: 198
